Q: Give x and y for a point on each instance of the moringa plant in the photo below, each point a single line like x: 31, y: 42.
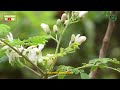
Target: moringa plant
x: 28, y: 53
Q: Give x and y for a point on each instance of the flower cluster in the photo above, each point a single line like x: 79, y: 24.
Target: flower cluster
x: 80, y: 14
x: 55, y: 28
x: 65, y: 20
x: 32, y: 52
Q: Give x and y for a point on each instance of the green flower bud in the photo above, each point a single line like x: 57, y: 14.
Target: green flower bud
x: 63, y: 17
x: 58, y: 23
x: 55, y: 28
x: 72, y: 38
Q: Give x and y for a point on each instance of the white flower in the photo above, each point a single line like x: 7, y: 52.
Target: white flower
x: 12, y: 55
x: 5, y: 47
x: 79, y: 39
x: 39, y: 57
x: 82, y: 13
x: 21, y: 48
x: 32, y: 56
x: 34, y: 53
x: 47, y: 59
x: 10, y: 36
x: 45, y: 27
x: 40, y: 46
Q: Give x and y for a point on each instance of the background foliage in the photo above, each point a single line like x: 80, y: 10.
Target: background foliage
x: 93, y: 26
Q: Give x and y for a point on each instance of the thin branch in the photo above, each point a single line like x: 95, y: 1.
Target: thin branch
x: 53, y: 76
x: 36, y: 73
x: 24, y: 57
x: 105, y: 44
x: 54, y: 39
x: 57, y: 48
x: 112, y: 68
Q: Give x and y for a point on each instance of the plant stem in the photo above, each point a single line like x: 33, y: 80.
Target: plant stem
x: 58, y: 47
x: 42, y: 73
x: 112, y: 68
x: 85, y: 66
x: 36, y: 73
x: 54, y: 39
x: 53, y: 76
x: 60, y: 39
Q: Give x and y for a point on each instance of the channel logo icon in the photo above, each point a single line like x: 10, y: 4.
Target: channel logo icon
x: 9, y: 18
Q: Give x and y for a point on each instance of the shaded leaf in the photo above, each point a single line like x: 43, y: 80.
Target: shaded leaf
x: 84, y: 76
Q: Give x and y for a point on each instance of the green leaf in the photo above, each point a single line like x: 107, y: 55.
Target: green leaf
x: 102, y: 66
x: 100, y: 61
x: 2, y: 52
x: 30, y: 41
x: 115, y: 61
x: 107, y: 13
x: 70, y: 49
x: 3, y: 59
x: 93, y: 68
x: 84, y: 76
x: 4, y: 29
x: 17, y: 63
x: 76, y: 71
x: 63, y: 68
x: 37, y: 40
x: 61, y: 76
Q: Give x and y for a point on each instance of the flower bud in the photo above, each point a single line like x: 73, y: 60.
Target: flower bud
x: 66, y: 22
x: 82, y: 13
x: 72, y: 38
x: 45, y: 27
x: 55, y: 28
x: 81, y: 39
x: 63, y: 17
x: 75, y: 13
x: 58, y: 23
x: 10, y: 37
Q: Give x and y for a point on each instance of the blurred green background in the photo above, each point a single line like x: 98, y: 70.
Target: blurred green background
x: 93, y: 26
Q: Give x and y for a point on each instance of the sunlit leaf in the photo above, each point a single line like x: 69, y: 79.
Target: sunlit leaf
x: 4, y: 29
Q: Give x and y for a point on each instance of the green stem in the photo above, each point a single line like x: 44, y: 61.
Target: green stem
x: 36, y: 73
x: 112, y: 68
x: 24, y: 57
x: 53, y: 76
x: 54, y: 39
x: 58, y: 47
x: 85, y: 66
x: 60, y: 39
